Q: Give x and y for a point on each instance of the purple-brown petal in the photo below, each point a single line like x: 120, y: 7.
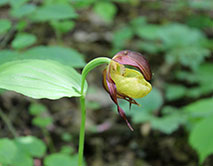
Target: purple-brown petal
x: 110, y: 86
x: 122, y: 114
x: 135, y: 59
x: 121, y: 96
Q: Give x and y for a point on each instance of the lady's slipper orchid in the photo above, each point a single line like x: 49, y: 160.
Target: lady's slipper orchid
x: 126, y: 83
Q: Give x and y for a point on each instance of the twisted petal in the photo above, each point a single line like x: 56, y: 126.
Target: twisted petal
x: 135, y: 59
x: 111, y: 88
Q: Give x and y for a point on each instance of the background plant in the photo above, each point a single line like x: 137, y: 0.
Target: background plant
x: 176, y: 38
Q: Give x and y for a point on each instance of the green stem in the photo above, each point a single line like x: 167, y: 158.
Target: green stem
x: 91, y: 65
x: 82, y: 132
x: 8, y: 123
x: 50, y: 143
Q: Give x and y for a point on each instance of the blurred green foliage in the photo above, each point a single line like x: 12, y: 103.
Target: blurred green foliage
x: 61, y: 159
x: 23, y: 150
x: 179, y: 42
x: 45, y: 53
x: 182, y: 39
x: 5, y: 26
x: 41, y: 118
x: 200, y: 118
x: 23, y: 40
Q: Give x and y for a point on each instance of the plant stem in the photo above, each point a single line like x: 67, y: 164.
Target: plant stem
x: 8, y: 123
x: 50, y: 143
x: 91, y: 65
x: 82, y: 132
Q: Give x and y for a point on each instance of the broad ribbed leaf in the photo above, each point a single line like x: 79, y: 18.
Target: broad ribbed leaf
x: 64, y: 55
x: 40, y: 79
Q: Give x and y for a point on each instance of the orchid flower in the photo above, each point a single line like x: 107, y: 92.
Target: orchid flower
x: 125, y: 83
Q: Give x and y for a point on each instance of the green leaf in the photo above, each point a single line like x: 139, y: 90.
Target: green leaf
x: 5, y: 26
x: 169, y: 123
x: 166, y: 124
x: 82, y: 3
x: 61, y: 159
x: 148, y: 32
x: 203, y: 89
x: 202, y: 76
x: 172, y: 36
x: 170, y: 120
x: 200, y: 21
x: 200, y: 109
x: 179, y: 50
x: 149, y: 104
x: 47, y: 2
x: 21, y: 25
x: 17, y: 3
x: 31, y: 145
x: 184, y: 55
x: 22, y: 11
x: 42, y: 121
x: 3, y: 2
x: 67, y: 56
x: 54, y: 12
x: 175, y: 91
x: 121, y: 37
x: 138, y: 22
x: 8, y: 55
x: 10, y: 154
x: 201, y: 137
x: 67, y: 150
x: 205, y: 5
x: 63, y: 26
x: 122, y: 1
x: 22, y: 159
x: 105, y: 10
x: 40, y: 79
x: 66, y: 137
x: 150, y: 46
x: 37, y: 109
x: 23, y: 40
x: 8, y: 151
